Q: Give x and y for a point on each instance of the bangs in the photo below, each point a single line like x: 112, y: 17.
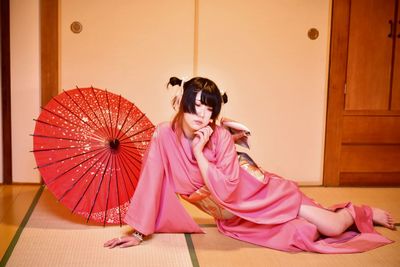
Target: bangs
x: 210, y: 96
x: 210, y: 99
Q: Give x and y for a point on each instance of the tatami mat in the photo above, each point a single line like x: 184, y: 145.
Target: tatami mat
x: 54, y: 237
x: 213, y: 250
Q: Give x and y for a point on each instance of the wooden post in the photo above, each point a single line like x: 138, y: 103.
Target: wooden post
x: 6, y: 90
x: 49, y: 49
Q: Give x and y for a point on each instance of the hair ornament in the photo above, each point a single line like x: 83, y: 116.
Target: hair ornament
x: 183, y: 80
x: 224, y: 96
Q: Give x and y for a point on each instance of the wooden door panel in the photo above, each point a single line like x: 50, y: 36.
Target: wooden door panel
x: 370, y: 178
x: 370, y: 158
x: 363, y: 116
x: 371, y: 130
x: 369, y: 55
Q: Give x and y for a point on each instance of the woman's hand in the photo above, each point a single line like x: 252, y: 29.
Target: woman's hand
x: 122, y: 242
x: 200, y: 140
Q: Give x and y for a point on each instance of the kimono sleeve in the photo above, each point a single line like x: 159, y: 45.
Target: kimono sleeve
x: 223, y: 174
x: 154, y: 206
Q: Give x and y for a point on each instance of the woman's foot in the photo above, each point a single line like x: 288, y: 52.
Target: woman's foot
x: 382, y: 217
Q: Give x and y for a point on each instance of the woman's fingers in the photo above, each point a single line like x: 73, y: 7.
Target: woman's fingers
x: 204, y: 132
x: 110, y: 242
x: 122, y: 242
x: 113, y: 242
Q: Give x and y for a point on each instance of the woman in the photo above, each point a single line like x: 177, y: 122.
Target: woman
x: 195, y: 158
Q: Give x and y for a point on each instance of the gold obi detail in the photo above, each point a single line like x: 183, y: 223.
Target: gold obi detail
x: 203, y: 199
x: 250, y: 166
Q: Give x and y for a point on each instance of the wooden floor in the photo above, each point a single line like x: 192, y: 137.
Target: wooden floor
x: 213, y: 249
x: 15, y: 201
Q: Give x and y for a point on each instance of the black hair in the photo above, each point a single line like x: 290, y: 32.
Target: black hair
x: 210, y: 95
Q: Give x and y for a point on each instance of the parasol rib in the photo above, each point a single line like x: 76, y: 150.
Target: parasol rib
x: 73, y: 113
x: 66, y: 138
x: 47, y: 123
x: 118, y: 109
x: 118, y: 200
x: 133, y: 125
x: 80, y: 177
x: 151, y: 127
x: 87, y: 187
x: 123, y: 178
x: 87, y: 103
x: 83, y: 111
x: 57, y: 161
x: 137, y: 141
x: 131, y: 171
x: 98, y: 188
x: 56, y: 149
x: 126, y: 118
x: 135, y: 147
x: 63, y: 118
x: 101, y: 111
x: 73, y: 167
x: 109, y: 115
x: 133, y: 154
x: 108, y: 192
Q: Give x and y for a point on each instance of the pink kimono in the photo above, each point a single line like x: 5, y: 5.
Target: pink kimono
x: 260, y: 211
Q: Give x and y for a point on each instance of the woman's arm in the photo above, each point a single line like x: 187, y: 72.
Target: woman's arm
x: 221, y: 176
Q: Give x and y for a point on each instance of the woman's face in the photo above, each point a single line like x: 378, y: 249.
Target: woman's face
x: 201, y: 118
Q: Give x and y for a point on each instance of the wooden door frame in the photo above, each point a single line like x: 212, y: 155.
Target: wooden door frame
x: 336, y: 85
x: 49, y: 49
x: 6, y: 91
x: 49, y: 66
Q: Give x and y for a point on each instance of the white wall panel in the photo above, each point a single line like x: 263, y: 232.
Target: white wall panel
x: 275, y: 76
x: 25, y: 86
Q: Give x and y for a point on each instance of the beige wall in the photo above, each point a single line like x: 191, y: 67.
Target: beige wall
x: 275, y: 76
x: 257, y: 50
x: 131, y: 49
x: 25, y: 88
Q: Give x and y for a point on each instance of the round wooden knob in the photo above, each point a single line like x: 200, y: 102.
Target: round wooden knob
x: 313, y: 33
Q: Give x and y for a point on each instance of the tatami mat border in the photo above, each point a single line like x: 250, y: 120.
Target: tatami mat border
x: 192, y: 251
x: 21, y: 227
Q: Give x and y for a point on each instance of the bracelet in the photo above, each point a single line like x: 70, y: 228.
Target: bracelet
x: 138, y: 236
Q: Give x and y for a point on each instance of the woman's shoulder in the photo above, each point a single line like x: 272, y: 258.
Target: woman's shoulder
x: 163, y: 127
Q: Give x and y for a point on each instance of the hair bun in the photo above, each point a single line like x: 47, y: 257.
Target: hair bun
x: 175, y: 81
x: 224, y: 98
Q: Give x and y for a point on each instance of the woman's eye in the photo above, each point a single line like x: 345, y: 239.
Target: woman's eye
x: 210, y: 109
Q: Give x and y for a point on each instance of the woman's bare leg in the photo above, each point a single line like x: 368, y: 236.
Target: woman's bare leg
x: 328, y: 223
x: 331, y: 223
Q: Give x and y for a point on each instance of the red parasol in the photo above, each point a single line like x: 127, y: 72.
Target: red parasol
x: 89, y: 144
